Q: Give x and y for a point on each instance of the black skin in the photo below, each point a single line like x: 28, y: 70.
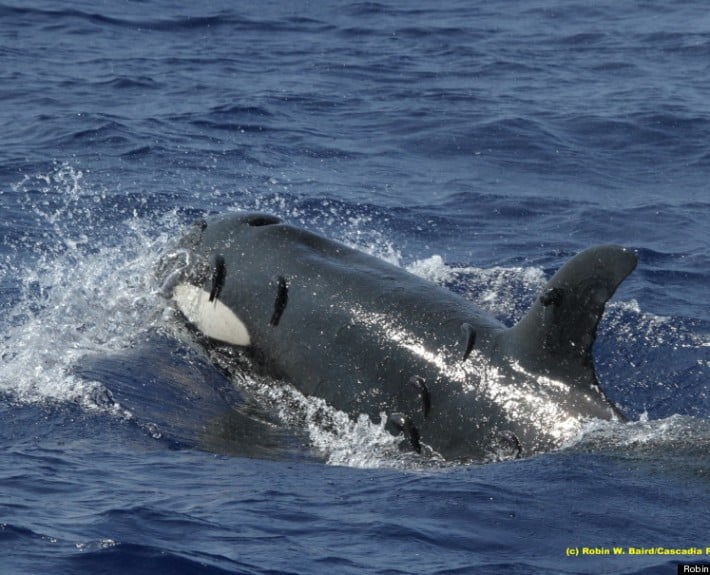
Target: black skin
x: 369, y: 337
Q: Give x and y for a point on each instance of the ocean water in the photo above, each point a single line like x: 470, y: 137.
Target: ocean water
x: 478, y: 144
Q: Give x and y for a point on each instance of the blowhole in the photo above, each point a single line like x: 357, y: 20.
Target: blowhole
x: 263, y: 220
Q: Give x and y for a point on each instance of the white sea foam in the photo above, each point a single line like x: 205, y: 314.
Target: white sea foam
x: 676, y: 434
x: 503, y: 292
x: 334, y: 435
x: 80, y: 290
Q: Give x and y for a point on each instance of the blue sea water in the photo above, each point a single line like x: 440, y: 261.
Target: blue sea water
x: 478, y: 144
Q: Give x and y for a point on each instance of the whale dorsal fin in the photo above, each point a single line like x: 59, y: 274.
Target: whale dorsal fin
x: 556, y: 336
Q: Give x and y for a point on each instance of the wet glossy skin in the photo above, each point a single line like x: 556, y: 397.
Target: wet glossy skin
x: 369, y: 337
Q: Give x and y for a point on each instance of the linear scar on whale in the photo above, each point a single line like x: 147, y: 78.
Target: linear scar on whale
x: 371, y: 338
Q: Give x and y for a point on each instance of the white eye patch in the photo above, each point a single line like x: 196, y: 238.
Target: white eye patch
x: 212, y: 318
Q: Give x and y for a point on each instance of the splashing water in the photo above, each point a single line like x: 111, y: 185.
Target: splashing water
x: 80, y: 285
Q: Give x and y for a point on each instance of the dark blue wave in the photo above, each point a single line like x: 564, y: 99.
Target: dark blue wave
x: 149, y: 19
x: 16, y: 533
x: 145, y: 559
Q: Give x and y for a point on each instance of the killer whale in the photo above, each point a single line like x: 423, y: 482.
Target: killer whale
x: 369, y: 337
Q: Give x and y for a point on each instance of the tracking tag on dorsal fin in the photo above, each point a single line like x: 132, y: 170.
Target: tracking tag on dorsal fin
x: 557, y: 334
